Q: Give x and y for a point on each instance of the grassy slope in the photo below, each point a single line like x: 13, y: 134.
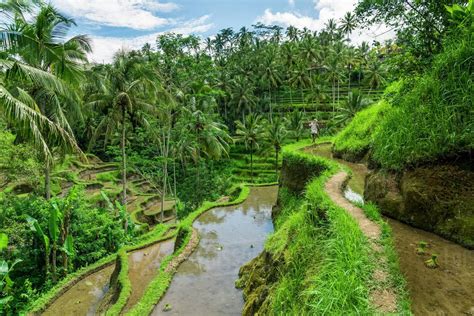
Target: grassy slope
x: 356, y: 139
x: 429, y: 117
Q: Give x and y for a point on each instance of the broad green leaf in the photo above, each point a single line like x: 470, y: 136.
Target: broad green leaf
x: 69, y: 246
x: 3, y: 267
x: 3, y: 241
x: 53, y: 224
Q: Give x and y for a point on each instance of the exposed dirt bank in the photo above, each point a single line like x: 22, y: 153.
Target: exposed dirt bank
x: 438, y: 198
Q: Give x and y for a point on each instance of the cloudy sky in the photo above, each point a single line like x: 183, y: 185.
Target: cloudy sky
x: 113, y: 24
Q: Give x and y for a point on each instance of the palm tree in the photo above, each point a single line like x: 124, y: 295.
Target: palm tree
x: 211, y: 138
x: 348, y: 24
x: 270, y: 76
x: 36, y: 35
x: 242, y: 96
x: 276, y: 133
x: 375, y: 73
x: 296, y: 123
x: 250, y: 132
x: 350, y: 60
x: 354, y: 103
x: 126, y: 97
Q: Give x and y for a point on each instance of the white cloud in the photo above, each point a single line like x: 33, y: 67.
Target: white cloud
x: 291, y: 3
x: 135, y: 14
x: 104, y: 48
x: 325, y: 10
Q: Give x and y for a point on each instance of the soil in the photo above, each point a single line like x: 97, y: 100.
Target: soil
x: 446, y: 290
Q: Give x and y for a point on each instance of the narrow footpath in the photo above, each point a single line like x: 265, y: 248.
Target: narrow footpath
x: 384, y: 300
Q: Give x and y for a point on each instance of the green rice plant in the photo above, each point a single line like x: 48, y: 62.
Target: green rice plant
x: 421, y: 249
x: 432, y: 262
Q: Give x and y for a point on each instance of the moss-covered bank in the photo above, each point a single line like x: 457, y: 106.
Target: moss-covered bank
x: 438, y: 198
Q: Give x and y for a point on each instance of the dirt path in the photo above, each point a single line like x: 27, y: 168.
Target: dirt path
x: 383, y: 300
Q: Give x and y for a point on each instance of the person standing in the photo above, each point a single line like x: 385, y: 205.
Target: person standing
x: 314, y: 129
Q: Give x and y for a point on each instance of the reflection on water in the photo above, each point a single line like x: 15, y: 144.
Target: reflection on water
x: 230, y: 236
x: 352, y: 196
x: 143, y: 265
x: 84, y: 297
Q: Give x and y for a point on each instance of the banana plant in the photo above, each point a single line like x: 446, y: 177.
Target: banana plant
x: 6, y: 282
x: 54, y: 222
x: 120, y: 211
x: 38, y: 231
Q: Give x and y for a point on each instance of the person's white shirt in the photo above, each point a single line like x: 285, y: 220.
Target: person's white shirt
x: 314, y: 126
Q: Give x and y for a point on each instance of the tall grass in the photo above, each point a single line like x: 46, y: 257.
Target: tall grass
x: 433, y: 115
x: 355, y: 140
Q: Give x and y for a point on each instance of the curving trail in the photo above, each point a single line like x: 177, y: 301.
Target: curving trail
x: 383, y: 300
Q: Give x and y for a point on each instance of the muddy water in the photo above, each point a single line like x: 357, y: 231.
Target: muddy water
x: 230, y: 236
x: 84, y: 297
x: 143, y: 265
x: 446, y: 290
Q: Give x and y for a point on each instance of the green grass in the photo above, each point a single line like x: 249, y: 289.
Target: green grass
x: 123, y: 284
x: 109, y: 176
x: 356, y: 139
x: 433, y: 117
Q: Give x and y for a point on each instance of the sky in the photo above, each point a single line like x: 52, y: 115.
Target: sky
x: 129, y: 24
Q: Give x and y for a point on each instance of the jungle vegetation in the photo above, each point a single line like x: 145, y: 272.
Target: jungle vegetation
x: 184, y: 112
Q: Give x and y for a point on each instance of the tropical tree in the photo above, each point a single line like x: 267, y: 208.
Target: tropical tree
x: 276, y: 134
x: 250, y: 132
x: 126, y: 98
x: 348, y: 24
x: 354, y: 103
x: 296, y: 123
x: 211, y: 138
x: 375, y: 73
x: 36, y: 36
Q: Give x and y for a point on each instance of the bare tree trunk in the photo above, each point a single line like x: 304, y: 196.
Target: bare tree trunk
x: 124, y: 169
x: 47, y: 181
x: 53, y: 262
x: 276, y: 161
x: 251, y: 162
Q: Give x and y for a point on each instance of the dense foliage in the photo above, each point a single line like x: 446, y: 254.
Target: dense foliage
x: 192, y: 117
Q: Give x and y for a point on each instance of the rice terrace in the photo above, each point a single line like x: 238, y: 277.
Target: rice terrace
x: 217, y: 157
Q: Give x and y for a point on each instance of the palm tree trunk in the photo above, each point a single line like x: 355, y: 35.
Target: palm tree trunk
x: 276, y: 161
x: 53, y: 262
x: 333, y: 95
x: 349, y: 83
x: 165, y: 176
x: 174, y: 185
x: 47, y: 181
x: 124, y: 164
x: 251, y: 162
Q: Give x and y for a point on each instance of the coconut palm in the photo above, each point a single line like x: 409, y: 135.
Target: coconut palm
x: 348, y: 24
x: 275, y: 134
x: 354, y: 103
x: 36, y: 36
x: 250, y: 132
x: 375, y: 73
x: 125, y: 99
